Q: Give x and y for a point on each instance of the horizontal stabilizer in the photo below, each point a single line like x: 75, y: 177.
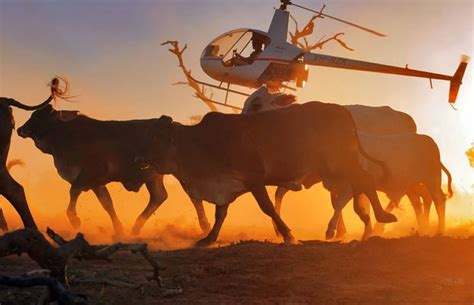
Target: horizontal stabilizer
x: 456, y: 81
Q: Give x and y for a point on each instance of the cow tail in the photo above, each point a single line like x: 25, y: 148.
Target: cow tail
x: 386, y: 172
x: 450, y: 180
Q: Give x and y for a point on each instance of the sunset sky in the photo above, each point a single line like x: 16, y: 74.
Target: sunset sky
x: 110, y: 51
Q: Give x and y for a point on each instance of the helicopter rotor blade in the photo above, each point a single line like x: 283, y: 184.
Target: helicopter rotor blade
x: 338, y: 19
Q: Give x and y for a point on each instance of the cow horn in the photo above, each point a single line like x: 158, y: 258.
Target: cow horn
x: 54, y: 88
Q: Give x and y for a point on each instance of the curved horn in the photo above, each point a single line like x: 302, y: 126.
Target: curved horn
x: 54, y: 87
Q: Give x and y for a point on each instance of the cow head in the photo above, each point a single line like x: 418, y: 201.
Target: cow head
x: 158, y: 150
x: 42, y: 125
x: 263, y: 100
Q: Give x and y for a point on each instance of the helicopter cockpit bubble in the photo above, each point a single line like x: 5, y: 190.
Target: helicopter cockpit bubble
x: 237, y: 47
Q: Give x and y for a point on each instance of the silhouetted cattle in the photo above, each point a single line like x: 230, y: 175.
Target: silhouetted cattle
x: 225, y: 156
x: 9, y: 188
x: 90, y: 153
x: 376, y: 123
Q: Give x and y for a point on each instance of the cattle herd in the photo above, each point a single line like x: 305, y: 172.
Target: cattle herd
x: 354, y: 151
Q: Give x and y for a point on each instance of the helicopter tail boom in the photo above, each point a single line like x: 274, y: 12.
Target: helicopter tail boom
x: 345, y: 63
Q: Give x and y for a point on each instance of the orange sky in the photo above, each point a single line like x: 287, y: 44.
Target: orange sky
x: 111, y: 52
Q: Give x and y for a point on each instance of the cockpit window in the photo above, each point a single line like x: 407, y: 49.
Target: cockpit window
x: 244, y: 44
x: 222, y: 45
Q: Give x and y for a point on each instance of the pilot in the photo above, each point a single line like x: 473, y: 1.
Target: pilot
x: 257, y: 44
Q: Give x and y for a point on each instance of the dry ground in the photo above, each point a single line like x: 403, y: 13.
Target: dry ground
x: 411, y: 270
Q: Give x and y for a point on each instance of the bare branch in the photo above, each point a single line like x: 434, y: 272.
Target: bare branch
x: 307, y: 29
x: 321, y: 43
x: 299, y: 38
x: 199, y: 91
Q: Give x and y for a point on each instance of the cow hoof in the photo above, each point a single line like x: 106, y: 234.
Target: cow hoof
x: 119, y: 233
x: 387, y: 218
x: 290, y: 240
x: 340, y: 235
x: 203, y: 243
x: 329, y: 234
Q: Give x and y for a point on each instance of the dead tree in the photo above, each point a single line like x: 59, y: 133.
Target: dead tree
x: 56, y: 259
x: 308, y: 29
x: 199, y: 90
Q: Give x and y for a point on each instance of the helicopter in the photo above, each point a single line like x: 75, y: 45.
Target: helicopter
x: 253, y: 58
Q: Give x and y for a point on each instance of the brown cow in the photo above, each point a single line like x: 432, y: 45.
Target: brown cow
x: 227, y: 155
x: 375, y: 122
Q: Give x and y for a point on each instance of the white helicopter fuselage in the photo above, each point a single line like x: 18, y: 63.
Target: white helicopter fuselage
x: 276, y: 51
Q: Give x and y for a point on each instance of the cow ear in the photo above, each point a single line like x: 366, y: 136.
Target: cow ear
x: 162, y: 125
x: 284, y: 100
x: 66, y: 116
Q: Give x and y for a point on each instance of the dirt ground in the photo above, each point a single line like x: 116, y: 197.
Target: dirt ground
x: 410, y: 270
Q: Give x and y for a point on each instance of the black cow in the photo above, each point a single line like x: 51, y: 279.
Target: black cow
x: 90, y: 153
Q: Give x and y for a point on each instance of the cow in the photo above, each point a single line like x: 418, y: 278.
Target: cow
x: 90, y: 153
x: 9, y: 188
x: 379, y: 122
x: 227, y: 155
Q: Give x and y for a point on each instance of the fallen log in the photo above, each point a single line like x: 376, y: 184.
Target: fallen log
x: 57, y: 291
x: 56, y: 260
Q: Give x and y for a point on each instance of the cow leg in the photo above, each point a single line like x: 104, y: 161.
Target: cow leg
x: 158, y: 195
x: 71, y: 209
x: 104, y: 197
x: 363, y: 182
x: 418, y: 209
x: 15, y: 194
x: 338, y: 202
x: 427, y: 201
x: 341, y: 230
x: 3, y: 222
x: 439, y: 199
x: 221, y: 213
x: 279, y: 194
x: 361, y: 208
x: 201, y: 214
x: 265, y: 204
x: 379, y: 227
